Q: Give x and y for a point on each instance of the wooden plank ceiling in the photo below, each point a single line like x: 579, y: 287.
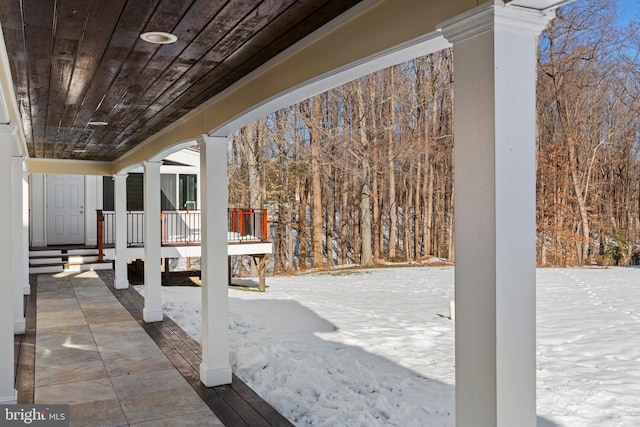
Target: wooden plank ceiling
x: 76, y: 61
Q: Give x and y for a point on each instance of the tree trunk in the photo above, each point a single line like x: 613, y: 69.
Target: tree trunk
x: 316, y: 183
x: 302, y: 227
x: 365, y: 225
x: 391, y: 162
x: 344, y: 206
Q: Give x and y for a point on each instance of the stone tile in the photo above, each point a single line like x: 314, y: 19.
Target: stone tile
x: 76, y: 392
x: 91, y: 291
x: 57, y: 304
x: 200, y: 419
x: 65, y: 337
x: 131, y: 364
x: 60, y: 318
x: 106, y: 315
x: 101, y: 302
x: 54, y: 291
x: 64, y: 356
x: 117, y: 327
x: 159, y: 405
x: 90, y: 274
x: 130, y: 341
x: 69, y: 372
x: 106, y: 413
x: 148, y: 382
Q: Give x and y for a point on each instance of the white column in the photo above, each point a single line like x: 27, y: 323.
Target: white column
x: 495, y: 229
x: 120, y: 199
x: 152, y: 311
x: 25, y: 232
x: 91, y: 201
x: 38, y: 229
x: 215, y: 368
x: 17, y: 243
x: 7, y: 391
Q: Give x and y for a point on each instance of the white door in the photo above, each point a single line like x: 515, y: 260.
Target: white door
x: 65, y: 209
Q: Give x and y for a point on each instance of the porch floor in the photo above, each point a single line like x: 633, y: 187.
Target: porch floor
x: 86, y: 345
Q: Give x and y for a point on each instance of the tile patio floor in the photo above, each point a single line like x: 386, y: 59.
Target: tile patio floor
x: 92, y: 354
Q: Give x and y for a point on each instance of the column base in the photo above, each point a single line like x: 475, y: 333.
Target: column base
x: 151, y: 316
x: 215, y: 377
x: 9, y: 400
x: 26, y: 289
x: 121, y: 284
x: 19, y: 326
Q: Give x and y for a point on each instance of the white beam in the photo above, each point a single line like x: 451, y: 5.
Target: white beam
x: 495, y: 277
x: 215, y: 368
x: 152, y: 311
x: 120, y: 201
x: 7, y: 391
x: 17, y: 242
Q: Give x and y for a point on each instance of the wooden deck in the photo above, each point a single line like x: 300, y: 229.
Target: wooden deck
x: 236, y: 405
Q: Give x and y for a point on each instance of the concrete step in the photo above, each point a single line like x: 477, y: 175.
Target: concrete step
x: 45, y: 260
x: 55, y: 267
x: 45, y: 269
x: 58, y: 253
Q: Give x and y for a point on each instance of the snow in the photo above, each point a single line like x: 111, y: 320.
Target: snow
x: 376, y: 347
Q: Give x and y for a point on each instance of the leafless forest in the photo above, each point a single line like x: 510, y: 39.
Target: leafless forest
x: 364, y: 172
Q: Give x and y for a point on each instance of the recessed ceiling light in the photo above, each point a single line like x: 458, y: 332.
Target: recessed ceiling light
x: 158, y: 37
x: 97, y: 123
x: 78, y: 150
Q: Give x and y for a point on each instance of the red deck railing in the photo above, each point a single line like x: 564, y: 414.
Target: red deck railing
x: 247, y: 225
x: 182, y: 228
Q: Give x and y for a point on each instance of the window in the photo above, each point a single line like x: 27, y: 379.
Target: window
x: 188, y: 191
x: 108, y: 192
x: 135, y: 192
x: 168, y: 192
x: 176, y: 192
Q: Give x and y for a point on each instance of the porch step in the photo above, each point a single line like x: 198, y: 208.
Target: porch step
x: 57, y: 259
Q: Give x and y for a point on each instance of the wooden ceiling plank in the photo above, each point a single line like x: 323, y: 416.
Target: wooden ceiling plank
x: 100, y: 23
x: 13, y: 31
x: 165, y: 18
x: 97, y: 65
x: 38, y: 24
x: 131, y: 23
x: 230, y: 17
x: 224, y: 75
x: 264, y: 45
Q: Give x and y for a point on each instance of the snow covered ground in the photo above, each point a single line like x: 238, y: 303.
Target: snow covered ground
x: 375, y: 347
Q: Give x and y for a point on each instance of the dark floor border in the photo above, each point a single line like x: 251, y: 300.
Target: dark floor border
x: 25, y: 348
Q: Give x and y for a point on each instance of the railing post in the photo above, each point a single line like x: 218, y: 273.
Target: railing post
x: 234, y: 221
x: 100, y: 234
x: 263, y: 233
x: 163, y: 228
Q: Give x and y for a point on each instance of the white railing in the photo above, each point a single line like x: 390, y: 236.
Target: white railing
x: 184, y: 227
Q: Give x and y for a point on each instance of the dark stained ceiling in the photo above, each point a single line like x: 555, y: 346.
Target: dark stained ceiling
x: 76, y: 61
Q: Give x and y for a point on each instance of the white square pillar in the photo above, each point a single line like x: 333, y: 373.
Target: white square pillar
x: 152, y: 311
x: 17, y: 207
x: 215, y: 368
x: 495, y: 214
x: 120, y: 201
x: 25, y: 232
x: 37, y: 208
x: 7, y: 287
